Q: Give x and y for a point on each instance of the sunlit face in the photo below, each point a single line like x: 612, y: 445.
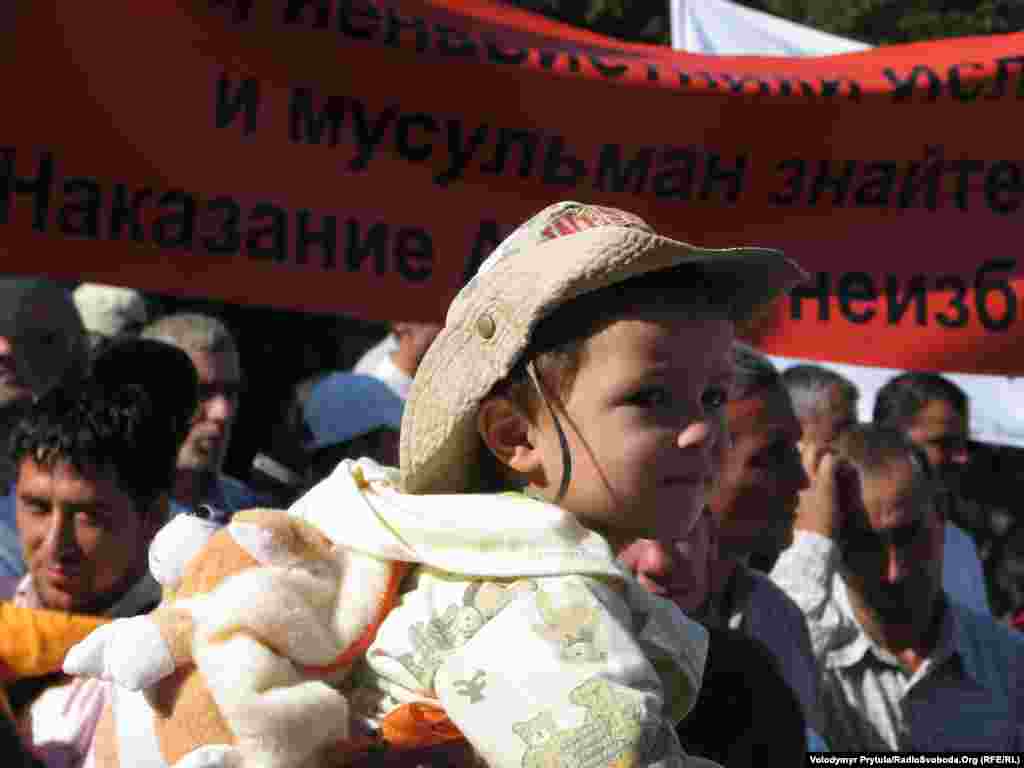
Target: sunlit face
x: 892, y: 545
x: 84, y: 540
x: 756, y: 495
x: 220, y: 377
x: 642, y: 419
x: 941, y: 431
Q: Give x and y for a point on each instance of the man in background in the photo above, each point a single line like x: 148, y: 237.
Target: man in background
x: 42, y: 342
x: 199, y: 478
x: 933, y: 412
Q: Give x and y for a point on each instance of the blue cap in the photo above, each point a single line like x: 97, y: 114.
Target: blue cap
x: 343, y: 406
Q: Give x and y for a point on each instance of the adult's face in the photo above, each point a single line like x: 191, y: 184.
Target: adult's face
x: 756, y: 494
x: 220, y: 378
x: 892, y: 543
x: 41, y: 339
x: 823, y: 426
x: 941, y: 431
x: 85, y: 541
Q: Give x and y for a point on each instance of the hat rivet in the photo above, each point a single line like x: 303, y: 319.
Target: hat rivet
x: 485, y: 326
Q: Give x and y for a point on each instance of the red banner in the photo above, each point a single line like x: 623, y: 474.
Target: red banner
x: 362, y: 158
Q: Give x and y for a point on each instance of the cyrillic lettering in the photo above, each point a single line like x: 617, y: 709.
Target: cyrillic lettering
x: 270, y: 241
x: 497, y: 54
x: 414, y: 254
x: 794, y: 182
x: 39, y: 187
x: 856, y: 287
x: 1003, y: 64
x: 833, y: 86
x: 229, y: 237
x: 454, y: 42
x: 81, y: 217
x: 376, y: 243
x: 246, y: 98
x: 964, y: 168
x: 488, y: 237
x: 610, y: 71
x: 903, y: 88
x: 295, y: 9
x: 548, y: 59
x: 930, y: 174
x: 177, y: 229
x: 506, y: 139
x: 734, y: 177
x: 122, y: 210
x: 348, y: 12
x: 414, y: 153
x: 956, y: 87
x: 326, y: 238
x: 877, y: 186
x: 678, y: 179
x: 305, y: 126
x: 916, y: 291
x: 840, y: 185
x: 708, y: 78
x: 460, y: 154
x: 555, y: 160
x: 786, y: 87
x: 739, y: 84
x: 395, y: 25
x: 612, y: 177
x: 956, y: 302
x: 820, y: 292
x: 368, y: 135
x: 1003, y: 187
x: 984, y: 286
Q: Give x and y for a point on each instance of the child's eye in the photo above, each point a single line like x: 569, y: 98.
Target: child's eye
x: 714, y: 398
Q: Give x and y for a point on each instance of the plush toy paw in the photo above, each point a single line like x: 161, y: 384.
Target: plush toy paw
x: 130, y: 652
x: 212, y: 756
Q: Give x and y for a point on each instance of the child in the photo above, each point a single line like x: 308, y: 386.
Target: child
x: 571, y: 405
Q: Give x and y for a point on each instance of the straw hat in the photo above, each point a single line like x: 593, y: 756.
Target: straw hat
x: 566, y: 250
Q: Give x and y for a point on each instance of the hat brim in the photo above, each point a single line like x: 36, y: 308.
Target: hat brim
x: 490, y: 323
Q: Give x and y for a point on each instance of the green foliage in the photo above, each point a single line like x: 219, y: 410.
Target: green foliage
x: 873, y: 21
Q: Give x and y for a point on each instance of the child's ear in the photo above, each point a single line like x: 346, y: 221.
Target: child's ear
x: 505, y: 429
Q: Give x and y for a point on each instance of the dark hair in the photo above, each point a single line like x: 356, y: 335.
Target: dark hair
x: 745, y: 710
x: 898, y: 402
x: 753, y: 372
x: 557, y: 343
x: 809, y: 385
x: 95, y: 425
x: 1006, y: 567
x: 870, y: 447
x: 164, y: 371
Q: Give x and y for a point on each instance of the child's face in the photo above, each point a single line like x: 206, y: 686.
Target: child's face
x: 643, y: 419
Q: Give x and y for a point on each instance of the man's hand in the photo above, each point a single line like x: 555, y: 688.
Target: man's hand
x: 823, y: 506
x: 413, y: 341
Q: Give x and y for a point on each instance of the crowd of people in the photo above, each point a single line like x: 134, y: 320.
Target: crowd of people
x: 618, y: 451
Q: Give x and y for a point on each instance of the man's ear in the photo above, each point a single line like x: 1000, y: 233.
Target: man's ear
x: 506, y: 430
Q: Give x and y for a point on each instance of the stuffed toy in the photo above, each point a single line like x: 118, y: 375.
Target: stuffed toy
x: 34, y: 642
x: 261, y: 621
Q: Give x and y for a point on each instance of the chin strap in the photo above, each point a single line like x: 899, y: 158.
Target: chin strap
x: 563, y: 487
